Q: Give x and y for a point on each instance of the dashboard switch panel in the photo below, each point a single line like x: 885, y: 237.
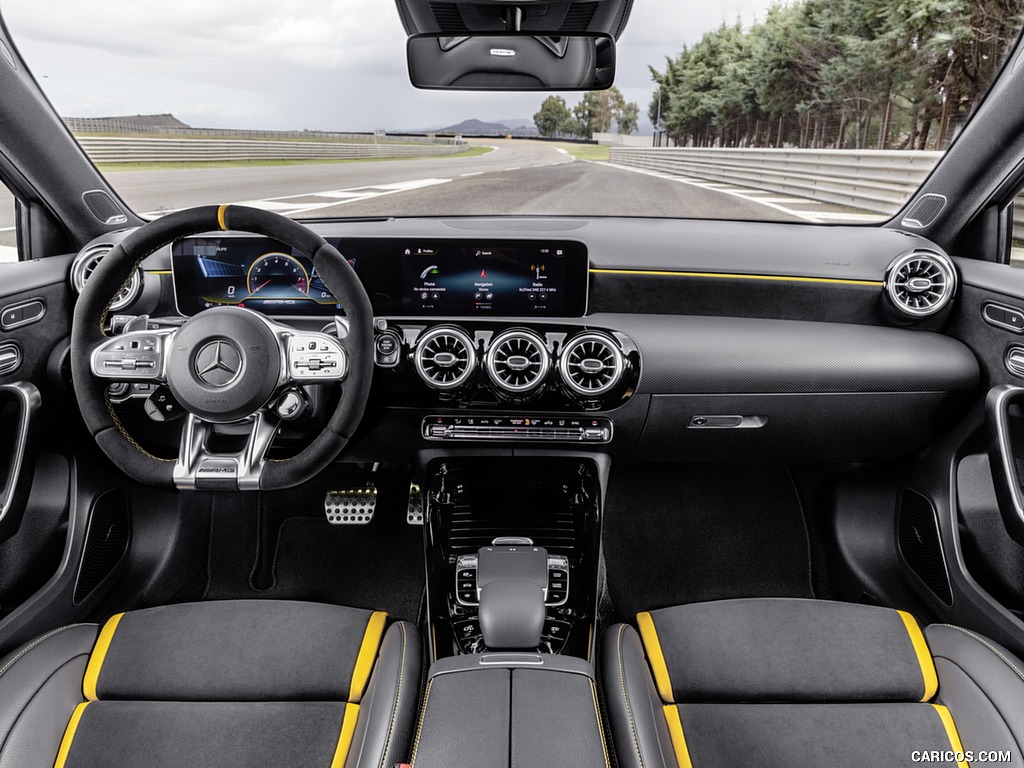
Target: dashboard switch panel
x: 518, y: 428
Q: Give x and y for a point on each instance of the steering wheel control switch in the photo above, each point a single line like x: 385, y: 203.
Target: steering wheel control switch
x: 350, y: 506
x: 136, y: 355
x: 312, y: 357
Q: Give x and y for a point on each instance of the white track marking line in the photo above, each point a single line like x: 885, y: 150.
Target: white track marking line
x: 791, y: 200
x: 474, y: 173
x: 852, y: 217
x: 514, y: 168
x: 7, y: 229
x: 730, y: 192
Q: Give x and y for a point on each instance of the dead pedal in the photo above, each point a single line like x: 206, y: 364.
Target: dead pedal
x: 350, y: 506
x: 414, y: 513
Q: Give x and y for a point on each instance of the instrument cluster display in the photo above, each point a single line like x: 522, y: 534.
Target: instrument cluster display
x: 251, y: 272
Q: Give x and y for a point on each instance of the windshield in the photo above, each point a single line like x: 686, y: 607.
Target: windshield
x: 811, y: 111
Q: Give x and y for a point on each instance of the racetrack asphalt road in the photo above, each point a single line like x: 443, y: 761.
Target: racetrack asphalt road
x: 519, y: 177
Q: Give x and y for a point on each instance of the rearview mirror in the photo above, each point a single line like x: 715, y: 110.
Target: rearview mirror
x: 512, y: 62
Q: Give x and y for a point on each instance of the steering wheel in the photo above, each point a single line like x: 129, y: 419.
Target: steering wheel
x: 224, y: 365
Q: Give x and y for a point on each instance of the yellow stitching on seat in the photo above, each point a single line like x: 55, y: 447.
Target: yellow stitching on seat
x: 600, y: 724
x: 419, y: 725
x: 348, y: 729
x: 924, y: 656
x: 625, y: 697
x: 99, y: 654
x: 655, y: 658
x: 398, y: 696
x: 367, y: 655
x: 951, y: 732
x: 69, y: 735
x: 675, y: 729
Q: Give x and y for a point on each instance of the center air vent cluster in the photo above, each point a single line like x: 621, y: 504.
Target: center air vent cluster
x: 519, y: 363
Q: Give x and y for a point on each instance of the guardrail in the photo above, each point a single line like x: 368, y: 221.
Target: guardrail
x: 149, y: 150
x: 880, y: 181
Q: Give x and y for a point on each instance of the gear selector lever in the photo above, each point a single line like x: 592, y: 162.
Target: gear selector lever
x: 512, y: 579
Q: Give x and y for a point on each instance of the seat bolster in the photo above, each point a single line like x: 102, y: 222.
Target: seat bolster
x: 982, y: 685
x: 635, y: 712
x: 387, y: 712
x: 40, y: 686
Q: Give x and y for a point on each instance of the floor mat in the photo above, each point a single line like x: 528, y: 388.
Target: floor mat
x: 681, y: 534
x: 278, y: 545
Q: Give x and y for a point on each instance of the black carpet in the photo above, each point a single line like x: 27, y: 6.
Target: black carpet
x: 279, y: 545
x: 681, y: 534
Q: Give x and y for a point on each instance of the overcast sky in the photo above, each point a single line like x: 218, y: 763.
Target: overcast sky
x: 292, y: 64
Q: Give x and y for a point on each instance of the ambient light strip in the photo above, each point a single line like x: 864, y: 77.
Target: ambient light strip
x: 738, y: 276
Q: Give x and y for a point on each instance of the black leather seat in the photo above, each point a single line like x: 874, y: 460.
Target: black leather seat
x: 806, y: 683
x: 226, y: 684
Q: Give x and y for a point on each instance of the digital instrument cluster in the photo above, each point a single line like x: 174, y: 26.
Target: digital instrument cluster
x: 403, y: 277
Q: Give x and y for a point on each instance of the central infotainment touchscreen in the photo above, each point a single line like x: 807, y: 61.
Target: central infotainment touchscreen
x: 466, y: 279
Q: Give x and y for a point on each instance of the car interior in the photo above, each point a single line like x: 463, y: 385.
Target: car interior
x: 510, y: 491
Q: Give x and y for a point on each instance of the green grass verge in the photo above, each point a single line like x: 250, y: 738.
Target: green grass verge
x: 175, y: 165
x: 586, y: 151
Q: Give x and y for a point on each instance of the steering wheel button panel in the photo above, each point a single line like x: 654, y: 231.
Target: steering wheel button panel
x: 312, y: 357
x: 137, y: 355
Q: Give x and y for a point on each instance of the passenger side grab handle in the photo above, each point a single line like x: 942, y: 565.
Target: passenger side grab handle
x: 1004, y: 418
x: 19, y: 428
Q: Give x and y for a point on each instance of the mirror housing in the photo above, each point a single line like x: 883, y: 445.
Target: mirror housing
x: 512, y: 62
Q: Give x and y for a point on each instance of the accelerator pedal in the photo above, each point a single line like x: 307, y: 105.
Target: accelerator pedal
x: 414, y: 514
x: 350, y: 506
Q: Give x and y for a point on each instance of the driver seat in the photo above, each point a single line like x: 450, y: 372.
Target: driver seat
x: 227, y: 684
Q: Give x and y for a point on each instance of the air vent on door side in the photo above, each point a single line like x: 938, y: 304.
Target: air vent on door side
x: 85, y: 264
x: 920, y: 283
x: 920, y: 545
x: 517, y: 362
x: 591, y: 364
x: 105, y: 543
x: 445, y: 357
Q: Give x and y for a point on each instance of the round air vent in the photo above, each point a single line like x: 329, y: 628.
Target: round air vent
x: 445, y: 357
x: 921, y: 283
x: 85, y: 264
x: 591, y: 364
x: 517, y: 361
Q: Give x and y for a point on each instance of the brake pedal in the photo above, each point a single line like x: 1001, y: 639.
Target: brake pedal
x: 350, y: 506
x: 414, y: 512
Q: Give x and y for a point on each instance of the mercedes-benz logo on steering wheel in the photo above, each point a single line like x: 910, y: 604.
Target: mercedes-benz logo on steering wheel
x: 218, y: 364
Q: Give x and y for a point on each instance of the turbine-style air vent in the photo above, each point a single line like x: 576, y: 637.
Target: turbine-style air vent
x: 85, y: 264
x: 921, y: 283
x: 591, y: 364
x: 445, y: 357
x: 517, y: 361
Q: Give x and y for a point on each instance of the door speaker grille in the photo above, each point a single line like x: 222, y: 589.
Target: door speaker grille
x: 919, y: 543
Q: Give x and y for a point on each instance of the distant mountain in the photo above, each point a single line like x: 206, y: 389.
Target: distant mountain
x: 517, y: 122
x: 474, y: 127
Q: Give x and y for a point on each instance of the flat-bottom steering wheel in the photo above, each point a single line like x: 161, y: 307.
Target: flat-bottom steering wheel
x: 225, y: 365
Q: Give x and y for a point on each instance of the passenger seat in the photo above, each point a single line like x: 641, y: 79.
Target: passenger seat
x: 806, y: 684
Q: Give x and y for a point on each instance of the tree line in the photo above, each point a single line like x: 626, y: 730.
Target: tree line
x: 596, y: 112
x: 857, y: 74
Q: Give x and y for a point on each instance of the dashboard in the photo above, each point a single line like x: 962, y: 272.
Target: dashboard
x: 655, y: 340
x: 421, y: 277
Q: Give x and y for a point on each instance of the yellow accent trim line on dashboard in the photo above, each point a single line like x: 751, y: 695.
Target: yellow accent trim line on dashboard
x: 649, y: 636
x: 99, y: 654
x: 954, y: 737
x: 69, y: 735
x: 738, y: 276
x: 367, y: 655
x: 220, y: 217
x: 675, y: 730
x: 348, y: 729
x: 924, y: 656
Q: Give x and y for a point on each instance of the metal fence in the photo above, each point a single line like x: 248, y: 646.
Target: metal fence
x: 88, y: 125
x: 150, y: 150
x: 880, y: 181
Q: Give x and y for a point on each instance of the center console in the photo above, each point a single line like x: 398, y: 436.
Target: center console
x: 512, y: 520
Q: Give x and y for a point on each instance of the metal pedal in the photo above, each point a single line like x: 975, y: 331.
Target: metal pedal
x: 350, y: 506
x: 414, y: 513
